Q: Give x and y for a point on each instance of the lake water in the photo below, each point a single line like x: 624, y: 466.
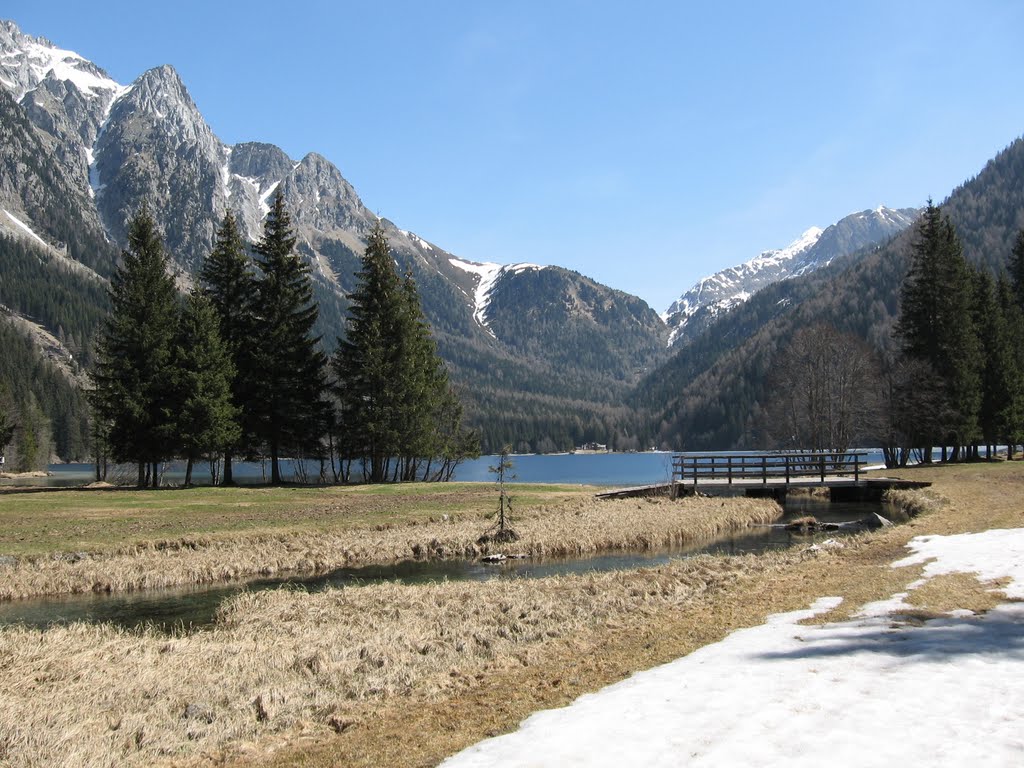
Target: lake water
x: 611, y: 469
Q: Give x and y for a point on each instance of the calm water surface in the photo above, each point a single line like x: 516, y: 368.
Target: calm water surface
x: 613, y: 469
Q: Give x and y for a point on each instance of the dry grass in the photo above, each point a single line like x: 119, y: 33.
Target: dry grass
x: 573, y: 527
x: 282, y: 662
x: 406, y: 675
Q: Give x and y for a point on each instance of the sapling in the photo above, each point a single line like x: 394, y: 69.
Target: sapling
x: 502, y: 472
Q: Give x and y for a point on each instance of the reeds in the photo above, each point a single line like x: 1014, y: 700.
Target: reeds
x: 575, y: 527
x: 914, y: 502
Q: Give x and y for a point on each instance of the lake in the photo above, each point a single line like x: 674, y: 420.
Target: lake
x: 610, y: 469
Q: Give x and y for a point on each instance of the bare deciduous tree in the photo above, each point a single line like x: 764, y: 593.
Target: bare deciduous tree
x: 824, y: 391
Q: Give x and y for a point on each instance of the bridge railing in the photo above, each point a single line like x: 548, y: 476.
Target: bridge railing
x: 797, y: 466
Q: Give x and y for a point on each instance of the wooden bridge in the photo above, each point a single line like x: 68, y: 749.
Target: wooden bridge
x: 772, y: 474
x: 769, y: 474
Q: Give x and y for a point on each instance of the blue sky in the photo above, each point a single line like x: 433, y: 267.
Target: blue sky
x: 644, y: 144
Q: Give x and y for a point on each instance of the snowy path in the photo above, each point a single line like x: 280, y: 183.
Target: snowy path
x: 864, y: 692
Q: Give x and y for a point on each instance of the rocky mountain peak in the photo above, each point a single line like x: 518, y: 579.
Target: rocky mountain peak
x: 257, y: 160
x: 815, y: 249
x: 322, y: 199
x: 27, y: 61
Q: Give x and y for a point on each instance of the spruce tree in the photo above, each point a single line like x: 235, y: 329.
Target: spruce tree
x: 1016, y: 268
x: 205, y: 417
x: 936, y: 326
x: 229, y: 283
x: 289, y: 369
x: 132, y: 372
x: 391, y: 385
x: 366, y: 363
x: 1012, y: 317
x: 8, y: 423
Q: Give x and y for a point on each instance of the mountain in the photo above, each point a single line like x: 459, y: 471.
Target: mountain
x: 709, y: 395
x: 89, y: 151
x: 698, y: 307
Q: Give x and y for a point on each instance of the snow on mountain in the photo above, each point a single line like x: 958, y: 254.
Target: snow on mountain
x: 27, y: 61
x: 23, y: 229
x: 815, y: 249
x: 488, y: 275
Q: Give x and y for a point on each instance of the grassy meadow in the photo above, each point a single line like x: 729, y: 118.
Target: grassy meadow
x: 405, y: 675
x: 111, y: 541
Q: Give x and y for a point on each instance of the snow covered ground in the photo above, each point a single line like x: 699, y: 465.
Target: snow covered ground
x: 865, y: 692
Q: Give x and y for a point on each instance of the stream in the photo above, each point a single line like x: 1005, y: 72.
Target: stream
x: 193, y: 608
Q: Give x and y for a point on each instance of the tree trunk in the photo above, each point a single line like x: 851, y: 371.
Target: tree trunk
x: 143, y: 475
x: 275, y: 466
x: 188, y: 472
x: 228, y: 476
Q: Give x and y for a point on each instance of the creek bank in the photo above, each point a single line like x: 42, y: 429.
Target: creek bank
x: 570, y: 529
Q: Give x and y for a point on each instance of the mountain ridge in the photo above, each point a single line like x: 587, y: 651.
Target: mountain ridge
x: 816, y: 248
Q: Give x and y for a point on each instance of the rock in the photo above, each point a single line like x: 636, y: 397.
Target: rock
x: 7, y: 561
x: 496, y: 558
x: 875, y: 520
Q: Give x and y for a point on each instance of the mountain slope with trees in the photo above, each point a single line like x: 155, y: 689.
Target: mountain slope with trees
x: 109, y: 148
x: 712, y: 393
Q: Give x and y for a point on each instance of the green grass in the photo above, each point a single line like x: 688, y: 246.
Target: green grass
x: 35, y: 523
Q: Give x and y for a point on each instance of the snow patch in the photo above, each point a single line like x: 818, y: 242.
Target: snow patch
x: 836, y: 694
x: 225, y: 173
x: 65, y: 65
x: 487, y: 275
x: 25, y: 229
x: 265, y: 197
x: 417, y: 239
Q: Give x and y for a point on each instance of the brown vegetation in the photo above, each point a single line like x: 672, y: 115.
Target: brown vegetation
x: 405, y: 675
x: 570, y: 528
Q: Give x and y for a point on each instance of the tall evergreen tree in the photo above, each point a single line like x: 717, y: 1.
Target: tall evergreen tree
x: 205, y: 417
x: 424, y: 384
x: 367, y: 364
x: 935, y: 325
x: 8, y: 422
x: 132, y: 375
x: 289, y: 369
x: 229, y: 283
x: 1016, y: 268
x: 396, y: 407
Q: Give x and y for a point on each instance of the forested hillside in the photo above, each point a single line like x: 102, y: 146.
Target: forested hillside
x: 715, y: 387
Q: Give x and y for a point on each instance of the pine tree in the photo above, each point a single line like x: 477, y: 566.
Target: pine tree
x: 229, y: 283
x: 395, y: 401
x: 8, y: 422
x: 1016, y: 268
x: 1012, y: 316
x: 289, y: 369
x: 367, y: 363
x: 936, y: 325
x: 205, y: 417
x: 424, y: 384
x: 132, y: 374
